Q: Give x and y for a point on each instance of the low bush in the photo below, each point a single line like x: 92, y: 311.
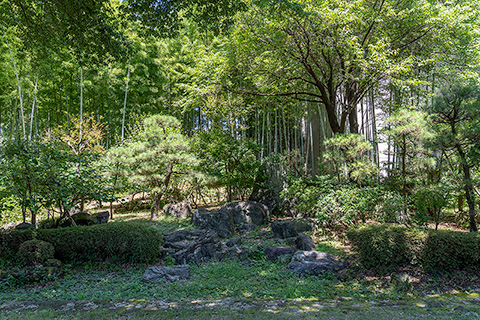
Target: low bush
x: 391, y: 247
x: 35, y: 252
x: 122, y: 242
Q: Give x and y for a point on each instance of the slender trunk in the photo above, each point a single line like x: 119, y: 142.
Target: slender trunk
x: 156, y: 202
x: 374, y: 135
x: 32, y: 116
x: 287, y: 144
x: 275, y: 150
x: 81, y: 101
x: 263, y: 135
x: 19, y: 87
x: 125, y: 102
x: 404, y: 175
x: 467, y: 187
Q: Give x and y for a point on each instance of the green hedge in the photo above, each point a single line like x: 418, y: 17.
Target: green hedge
x: 123, y: 242
x: 390, y: 247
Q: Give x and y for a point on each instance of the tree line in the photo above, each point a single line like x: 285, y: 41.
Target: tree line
x: 292, y: 78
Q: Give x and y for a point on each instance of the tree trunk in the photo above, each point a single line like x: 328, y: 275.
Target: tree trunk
x: 19, y: 87
x: 156, y: 202
x: 32, y: 116
x: 125, y: 102
x: 468, y: 187
x: 404, y: 177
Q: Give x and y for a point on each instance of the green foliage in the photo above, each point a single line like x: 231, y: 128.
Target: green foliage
x: 391, y: 247
x: 455, y: 113
x: 304, y: 195
x: 42, y: 175
x: 230, y: 160
x: 35, y: 252
x: 347, y: 154
x: 143, y: 159
x: 429, y: 202
x: 379, y: 247
x: 122, y: 242
x: 348, y: 205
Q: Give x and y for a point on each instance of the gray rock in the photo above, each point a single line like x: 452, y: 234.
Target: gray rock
x: 304, y: 242
x: 315, y: 263
x: 247, y: 212
x: 290, y: 228
x: 272, y: 253
x: 219, y: 221
x: 180, y: 210
x: 10, y: 226
x: 246, y: 227
x: 84, y: 219
x: 233, y: 241
x: 102, y: 217
x: 171, y: 273
x: 185, y: 234
x: 265, y: 197
x: 192, y: 245
x: 234, y: 252
x: 24, y: 226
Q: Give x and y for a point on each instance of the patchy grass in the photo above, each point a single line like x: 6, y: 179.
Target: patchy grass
x: 254, y: 280
x: 366, y: 314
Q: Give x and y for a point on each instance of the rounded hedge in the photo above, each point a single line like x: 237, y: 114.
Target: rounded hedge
x: 118, y: 241
x: 392, y: 246
x: 35, y: 252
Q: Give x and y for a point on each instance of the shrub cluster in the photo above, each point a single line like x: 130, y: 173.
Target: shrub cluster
x: 35, y: 252
x: 390, y: 247
x: 349, y: 205
x: 122, y: 242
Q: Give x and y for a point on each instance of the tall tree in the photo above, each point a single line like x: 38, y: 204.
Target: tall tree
x: 333, y: 52
x: 455, y: 110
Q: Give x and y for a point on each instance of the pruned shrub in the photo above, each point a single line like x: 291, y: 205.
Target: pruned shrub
x: 380, y: 247
x: 35, y: 252
x: 391, y: 247
x: 122, y: 242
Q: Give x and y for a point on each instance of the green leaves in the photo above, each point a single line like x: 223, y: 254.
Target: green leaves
x: 350, y: 150
x: 40, y: 175
x: 231, y: 161
x: 144, y: 158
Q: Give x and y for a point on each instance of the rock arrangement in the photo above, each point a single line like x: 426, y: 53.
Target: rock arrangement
x: 215, y: 240
x: 197, y: 246
x: 245, y: 215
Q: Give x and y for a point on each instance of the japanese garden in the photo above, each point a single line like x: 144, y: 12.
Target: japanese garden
x: 239, y: 159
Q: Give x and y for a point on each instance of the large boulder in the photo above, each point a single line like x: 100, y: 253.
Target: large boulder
x: 272, y: 253
x: 180, y: 210
x: 247, y: 212
x: 304, y: 242
x: 84, y: 219
x: 171, y: 273
x: 10, y: 226
x: 220, y: 221
x: 290, y: 228
x: 265, y: 197
x: 102, y: 217
x: 25, y: 226
x: 315, y: 263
